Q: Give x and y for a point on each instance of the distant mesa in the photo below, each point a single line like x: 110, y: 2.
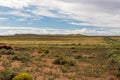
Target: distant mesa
x: 30, y: 35
x: 25, y: 35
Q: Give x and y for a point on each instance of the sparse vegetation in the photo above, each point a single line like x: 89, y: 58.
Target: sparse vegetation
x: 23, y: 57
x: 59, y: 57
x: 7, y: 52
x: 22, y: 76
x: 7, y: 74
x: 114, y: 55
x: 64, y: 61
x: 61, y: 61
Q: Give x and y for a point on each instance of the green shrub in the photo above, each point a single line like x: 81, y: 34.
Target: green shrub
x: 6, y: 64
x: 23, y: 57
x: 43, y: 50
x: 61, y: 61
x: 2, y: 51
x: 72, y: 63
x: 5, y: 51
x: 9, y: 52
x: 42, y: 55
x: 64, y: 61
x: 22, y: 76
x: 57, y: 55
x: 117, y: 72
x: 7, y: 74
x: 46, y: 51
x: 51, y: 79
x: 113, y: 52
x: 78, y: 57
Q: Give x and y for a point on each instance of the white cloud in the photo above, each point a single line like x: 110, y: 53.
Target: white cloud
x: 17, y: 4
x: 87, y: 31
x: 99, y: 13
x: 3, y: 19
x: 21, y: 19
x: 81, y: 24
x: 31, y: 30
x: 15, y: 13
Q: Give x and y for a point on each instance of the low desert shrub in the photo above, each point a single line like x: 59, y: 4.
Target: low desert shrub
x: 5, y: 51
x: 113, y: 54
x: 7, y: 74
x: 43, y: 50
x: 61, y: 61
x: 22, y: 76
x: 78, y: 57
x: 42, y: 55
x: 64, y: 61
x: 72, y: 63
x: 23, y: 57
x: 117, y: 72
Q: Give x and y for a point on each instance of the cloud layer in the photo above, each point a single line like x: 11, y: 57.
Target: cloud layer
x: 31, y: 30
x: 98, y: 13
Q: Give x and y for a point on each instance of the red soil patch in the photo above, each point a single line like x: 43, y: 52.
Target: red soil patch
x: 1, y: 68
x: 16, y: 64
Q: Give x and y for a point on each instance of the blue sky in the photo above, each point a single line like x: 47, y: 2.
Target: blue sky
x: 88, y: 17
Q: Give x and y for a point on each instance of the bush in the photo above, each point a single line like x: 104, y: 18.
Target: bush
x: 46, y: 51
x: 5, y: 51
x: 42, y: 55
x: 43, y: 50
x: 7, y: 74
x: 23, y: 57
x: 2, y: 51
x: 114, y: 57
x: 117, y: 73
x: 78, y: 57
x: 22, y: 76
x: 57, y: 55
x: 64, y: 61
x: 113, y: 52
x: 72, y: 63
x: 9, y: 52
x: 61, y: 61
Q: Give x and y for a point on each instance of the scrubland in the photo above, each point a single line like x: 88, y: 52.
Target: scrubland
x: 60, y: 57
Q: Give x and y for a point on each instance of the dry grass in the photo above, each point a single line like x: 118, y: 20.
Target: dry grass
x: 88, y: 53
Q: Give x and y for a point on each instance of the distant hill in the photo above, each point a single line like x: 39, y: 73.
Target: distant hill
x: 36, y: 35
x: 76, y: 35
x: 25, y: 35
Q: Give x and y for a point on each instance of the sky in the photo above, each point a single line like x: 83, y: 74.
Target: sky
x: 87, y: 17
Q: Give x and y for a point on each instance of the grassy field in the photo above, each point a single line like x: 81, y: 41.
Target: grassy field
x: 58, y: 57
